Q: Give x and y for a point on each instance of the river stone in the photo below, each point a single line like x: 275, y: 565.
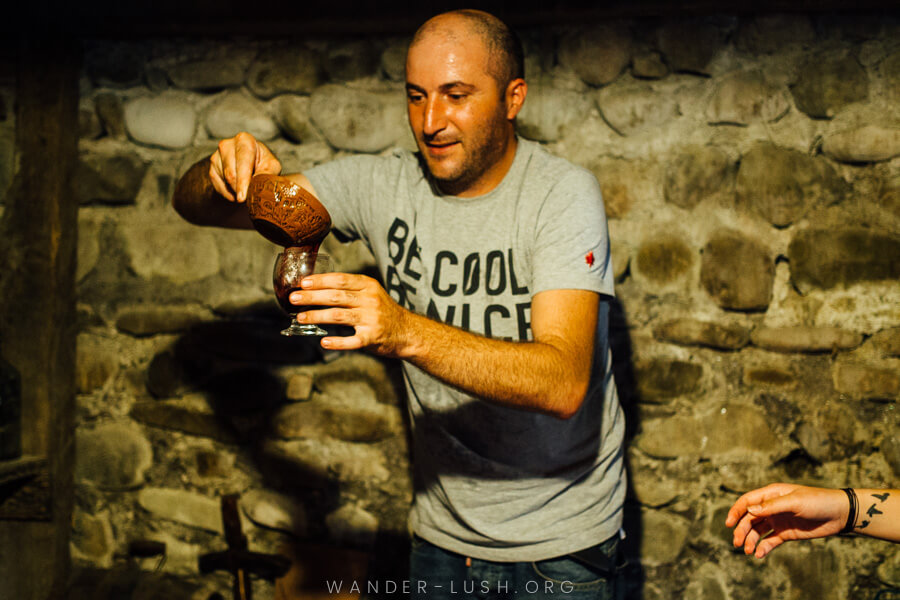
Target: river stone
x: 815, y: 571
x: 737, y: 272
x: 92, y: 538
x: 89, y: 127
x: 351, y: 60
x: 693, y: 332
x: 770, y: 376
x: 662, y: 378
x: 648, y: 65
x: 112, y: 456
x: 597, y: 54
x: 864, y: 144
x: 831, y: 258
x: 112, y: 114
x: 830, y: 436
x: 165, y: 375
x: 292, y: 115
x: 214, y: 464
x: 867, y: 381
x: 96, y: 359
x: 635, y: 108
x: 827, y: 84
x: 358, y: 120
x: 108, y: 174
x: 235, y: 112
x: 890, y: 71
x: 299, y: 387
x: 697, y: 173
x: 188, y: 508
x: 548, y: 112
x: 689, y: 45
x: 284, y: 70
x: 152, y: 319
x: 889, y: 570
x: 393, y: 60
x: 325, y: 461
x: 274, y: 511
x: 805, y: 339
x: 887, y: 342
x: 166, y: 246
x: 167, y: 120
x: 191, y: 414
x: 781, y: 185
x: 663, y: 259
x: 663, y: 536
x: 734, y: 429
x: 654, y: 491
x: 767, y: 34
x: 210, y: 73
x: 344, y: 421
x: 708, y: 583
x: 352, y: 525
x: 745, y: 97
x: 88, y: 244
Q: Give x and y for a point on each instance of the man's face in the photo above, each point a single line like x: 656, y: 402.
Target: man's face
x: 457, y: 113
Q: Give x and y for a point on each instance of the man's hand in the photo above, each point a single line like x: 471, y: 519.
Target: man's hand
x: 361, y: 303
x: 236, y: 161
x: 765, y: 518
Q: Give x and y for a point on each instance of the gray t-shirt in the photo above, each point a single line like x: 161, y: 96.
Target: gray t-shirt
x: 494, y: 482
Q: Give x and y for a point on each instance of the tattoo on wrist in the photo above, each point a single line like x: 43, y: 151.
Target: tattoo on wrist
x: 873, y: 509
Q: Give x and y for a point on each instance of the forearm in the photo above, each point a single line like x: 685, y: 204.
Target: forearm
x: 539, y: 376
x: 878, y: 514
x: 198, y: 202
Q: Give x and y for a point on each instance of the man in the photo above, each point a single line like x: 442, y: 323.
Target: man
x: 495, y: 256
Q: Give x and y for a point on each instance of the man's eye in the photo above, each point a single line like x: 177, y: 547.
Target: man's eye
x: 457, y: 97
x: 415, y: 97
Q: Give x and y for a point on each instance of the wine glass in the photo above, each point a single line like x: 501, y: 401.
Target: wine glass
x: 291, y: 266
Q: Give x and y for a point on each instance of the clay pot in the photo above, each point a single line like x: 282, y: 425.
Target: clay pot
x: 285, y: 213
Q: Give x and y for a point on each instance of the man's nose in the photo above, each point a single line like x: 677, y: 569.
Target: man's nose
x: 435, y: 117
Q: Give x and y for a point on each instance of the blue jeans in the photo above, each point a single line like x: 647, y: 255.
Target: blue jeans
x: 436, y: 574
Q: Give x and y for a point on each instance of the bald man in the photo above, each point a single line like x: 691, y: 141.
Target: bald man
x: 495, y: 275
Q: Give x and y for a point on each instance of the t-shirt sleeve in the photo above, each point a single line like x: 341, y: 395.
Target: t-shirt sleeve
x: 346, y: 187
x: 571, y: 247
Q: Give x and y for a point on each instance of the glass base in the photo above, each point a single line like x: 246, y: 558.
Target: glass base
x: 305, y: 329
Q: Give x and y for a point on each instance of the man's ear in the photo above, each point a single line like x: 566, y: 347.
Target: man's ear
x: 515, y: 97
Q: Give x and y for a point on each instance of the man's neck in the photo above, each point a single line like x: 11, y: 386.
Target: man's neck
x: 494, y: 176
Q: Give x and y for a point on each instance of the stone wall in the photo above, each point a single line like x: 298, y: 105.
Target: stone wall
x: 751, y: 173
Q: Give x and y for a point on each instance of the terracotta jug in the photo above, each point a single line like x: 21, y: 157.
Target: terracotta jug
x: 285, y: 213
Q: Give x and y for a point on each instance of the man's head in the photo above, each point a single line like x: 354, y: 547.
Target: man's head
x: 464, y: 88
x: 506, y: 59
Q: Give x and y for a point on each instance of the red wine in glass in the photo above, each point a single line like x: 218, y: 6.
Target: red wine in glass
x: 291, y: 266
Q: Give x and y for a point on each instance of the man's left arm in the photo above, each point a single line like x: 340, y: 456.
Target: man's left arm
x: 549, y: 375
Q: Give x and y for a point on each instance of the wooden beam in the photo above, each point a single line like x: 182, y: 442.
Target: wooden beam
x: 38, y: 234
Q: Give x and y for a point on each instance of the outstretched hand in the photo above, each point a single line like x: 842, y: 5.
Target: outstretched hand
x: 237, y: 160
x: 765, y: 518
x: 359, y: 301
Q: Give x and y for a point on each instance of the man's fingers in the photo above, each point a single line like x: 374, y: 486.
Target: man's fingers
x: 336, y: 281
x: 767, y: 545
x: 215, y: 177
x: 350, y: 342
x: 245, y: 154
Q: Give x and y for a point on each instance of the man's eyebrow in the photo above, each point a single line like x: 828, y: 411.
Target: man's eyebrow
x: 457, y: 85
x: 444, y: 88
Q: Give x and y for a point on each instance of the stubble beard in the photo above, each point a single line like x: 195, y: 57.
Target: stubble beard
x: 481, y: 153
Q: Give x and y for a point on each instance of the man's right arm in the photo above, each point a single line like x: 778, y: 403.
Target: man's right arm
x: 213, y: 190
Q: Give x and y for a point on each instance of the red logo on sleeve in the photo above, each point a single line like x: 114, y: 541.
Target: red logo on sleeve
x: 589, y: 258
